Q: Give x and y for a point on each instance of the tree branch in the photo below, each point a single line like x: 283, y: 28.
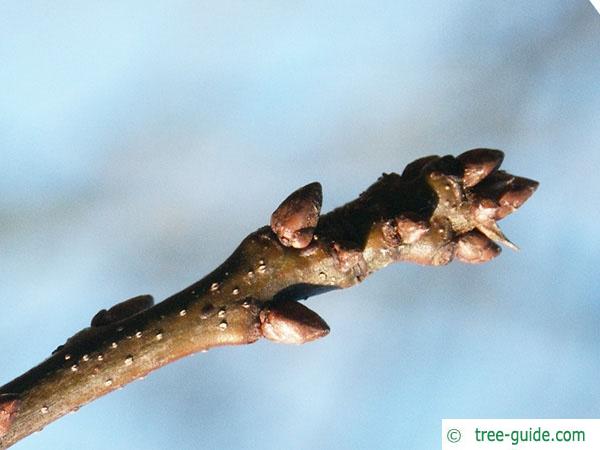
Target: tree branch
x: 440, y: 208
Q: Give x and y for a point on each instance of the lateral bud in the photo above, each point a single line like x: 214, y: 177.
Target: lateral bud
x: 511, y: 199
x: 475, y: 248
x: 479, y: 163
x: 122, y: 310
x: 295, y: 219
x: 290, y: 322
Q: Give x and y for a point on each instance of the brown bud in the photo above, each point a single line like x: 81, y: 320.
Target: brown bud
x: 494, y: 185
x: 9, y: 406
x: 475, y: 248
x: 294, y: 221
x: 478, y: 164
x: 122, y: 310
x: 518, y: 193
x: 508, y: 191
x: 290, y: 322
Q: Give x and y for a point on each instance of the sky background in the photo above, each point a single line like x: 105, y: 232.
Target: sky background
x: 141, y: 141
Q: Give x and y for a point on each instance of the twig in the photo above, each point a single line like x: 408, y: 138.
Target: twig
x: 440, y: 208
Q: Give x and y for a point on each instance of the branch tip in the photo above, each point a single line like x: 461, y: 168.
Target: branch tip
x: 440, y: 208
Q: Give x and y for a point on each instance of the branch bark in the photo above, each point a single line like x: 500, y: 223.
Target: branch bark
x: 439, y: 209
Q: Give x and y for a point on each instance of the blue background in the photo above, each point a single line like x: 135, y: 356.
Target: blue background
x: 141, y: 141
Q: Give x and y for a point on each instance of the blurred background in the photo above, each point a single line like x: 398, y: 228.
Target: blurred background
x: 141, y: 141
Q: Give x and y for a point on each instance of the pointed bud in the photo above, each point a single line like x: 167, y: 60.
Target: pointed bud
x: 9, y: 406
x: 478, y: 164
x: 474, y: 248
x: 518, y: 193
x: 294, y: 221
x: 122, y: 310
x: 508, y: 191
x: 290, y: 322
x: 494, y: 185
